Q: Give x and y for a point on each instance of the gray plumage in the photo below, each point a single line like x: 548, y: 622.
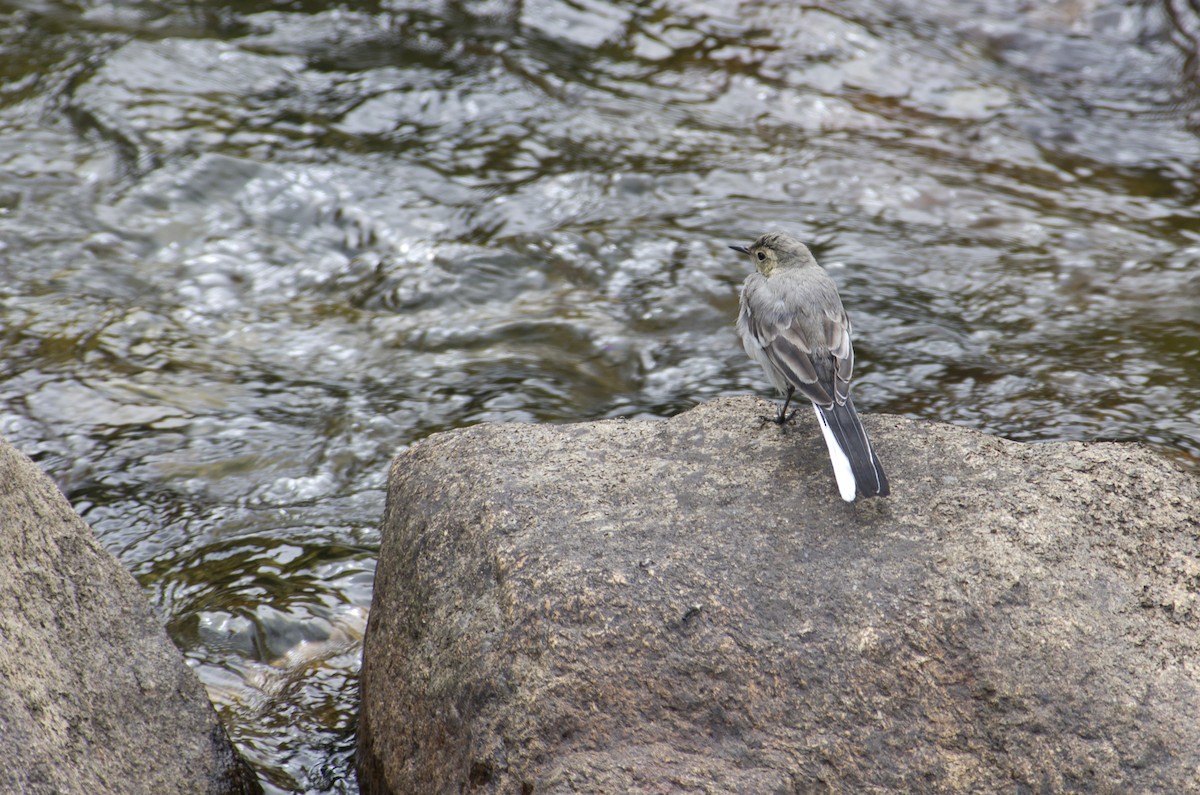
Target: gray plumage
x: 793, y: 324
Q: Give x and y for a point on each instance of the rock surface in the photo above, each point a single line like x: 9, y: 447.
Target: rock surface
x: 94, y: 698
x: 687, y: 606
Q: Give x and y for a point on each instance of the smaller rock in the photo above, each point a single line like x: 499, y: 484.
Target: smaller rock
x: 94, y: 697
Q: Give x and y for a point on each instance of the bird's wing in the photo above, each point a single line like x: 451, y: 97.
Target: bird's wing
x: 837, y: 339
x: 820, y: 369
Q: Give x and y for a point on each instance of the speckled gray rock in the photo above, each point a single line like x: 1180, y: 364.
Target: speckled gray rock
x: 687, y: 606
x: 94, y: 698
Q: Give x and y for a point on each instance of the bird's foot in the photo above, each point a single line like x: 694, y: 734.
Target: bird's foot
x: 779, y: 419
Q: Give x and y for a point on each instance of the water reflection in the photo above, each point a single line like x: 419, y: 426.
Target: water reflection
x: 250, y: 251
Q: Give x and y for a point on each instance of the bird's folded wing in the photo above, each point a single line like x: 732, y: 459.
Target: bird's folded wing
x: 818, y: 369
x: 837, y: 338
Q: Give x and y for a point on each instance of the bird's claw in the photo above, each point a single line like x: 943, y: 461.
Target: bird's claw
x: 778, y: 419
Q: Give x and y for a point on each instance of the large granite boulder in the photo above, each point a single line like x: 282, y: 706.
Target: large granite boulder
x: 688, y: 606
x: 94, y: 698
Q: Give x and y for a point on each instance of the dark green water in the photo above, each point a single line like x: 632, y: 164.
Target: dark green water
x: 250, y: 251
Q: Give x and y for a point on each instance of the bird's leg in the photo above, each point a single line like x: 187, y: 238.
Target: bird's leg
x: 783, y: 418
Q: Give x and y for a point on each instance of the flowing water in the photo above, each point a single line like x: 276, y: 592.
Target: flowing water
x: 251, y: 250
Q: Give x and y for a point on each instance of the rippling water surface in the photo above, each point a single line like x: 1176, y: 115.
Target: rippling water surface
x: 249, y: 251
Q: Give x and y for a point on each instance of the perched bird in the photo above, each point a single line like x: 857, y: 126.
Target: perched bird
x: 793, y: 324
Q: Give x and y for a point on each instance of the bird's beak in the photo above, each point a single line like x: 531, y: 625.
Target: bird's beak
x: 741, y: 249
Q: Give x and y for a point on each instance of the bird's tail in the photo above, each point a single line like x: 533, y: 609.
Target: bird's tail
x: 854, y: 462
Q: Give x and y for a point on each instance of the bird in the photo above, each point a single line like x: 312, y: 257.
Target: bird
x: 792, y: 322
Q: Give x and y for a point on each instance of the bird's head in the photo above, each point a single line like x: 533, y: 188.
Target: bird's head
x: 777, y: 250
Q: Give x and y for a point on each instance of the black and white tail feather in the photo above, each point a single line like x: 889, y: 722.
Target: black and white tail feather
x: 854, y: 461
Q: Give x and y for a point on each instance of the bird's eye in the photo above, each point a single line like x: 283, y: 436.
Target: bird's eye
x: 761, y: 256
